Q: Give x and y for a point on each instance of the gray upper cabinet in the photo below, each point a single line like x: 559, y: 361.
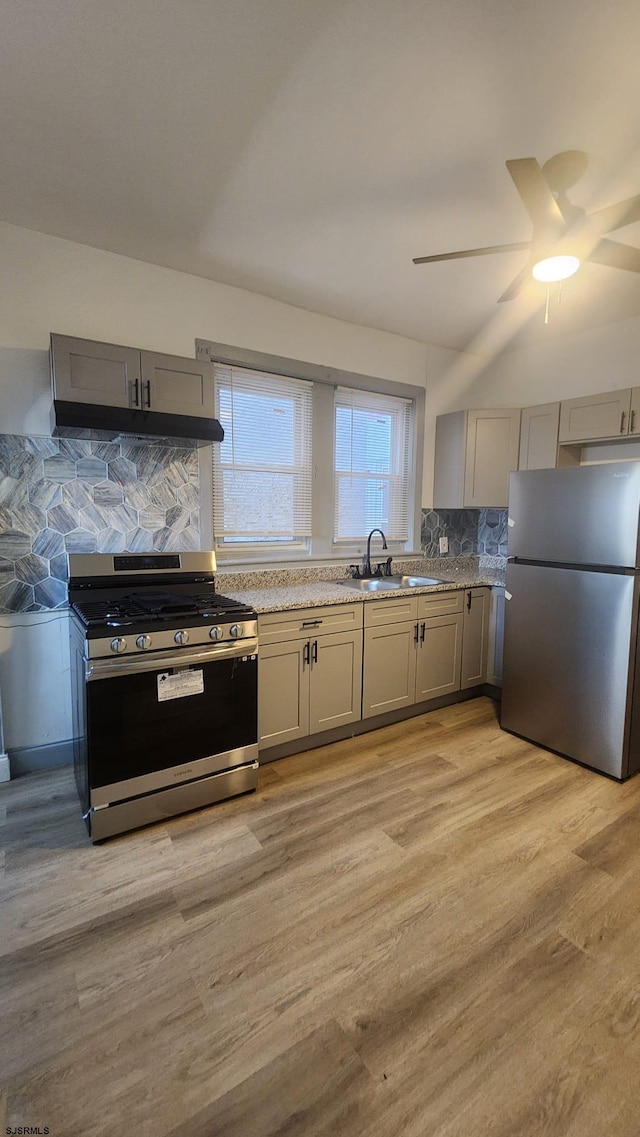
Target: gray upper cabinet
x: 539, y: 437
x: 177, y: 386
x: 474, y: 455
x: 597, y: 416
x: 112, y: 376
x: 99, y: 373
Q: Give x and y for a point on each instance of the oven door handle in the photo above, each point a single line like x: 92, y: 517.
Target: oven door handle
x: 161, y: 661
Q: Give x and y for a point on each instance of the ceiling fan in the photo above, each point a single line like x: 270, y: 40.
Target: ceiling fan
x: 564, y: 235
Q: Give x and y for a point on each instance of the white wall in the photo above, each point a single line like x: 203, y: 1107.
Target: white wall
x: 601, y: 359
x: 48, y: 284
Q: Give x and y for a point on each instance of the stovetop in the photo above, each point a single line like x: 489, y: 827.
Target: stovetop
x: 156, y: 608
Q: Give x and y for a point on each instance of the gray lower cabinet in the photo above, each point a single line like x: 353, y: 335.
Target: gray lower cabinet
x: 389, y: 675
x: 283, y: 693
x: 475, y: 637
x: 309, y: 672
x: 439, y: 657
x: 110, y: 375
x: 412, y: 651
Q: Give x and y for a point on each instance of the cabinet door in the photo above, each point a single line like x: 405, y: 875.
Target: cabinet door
x: 539, y: 437
x: 634, y: 417
x: 283, y: 693
x: 99, y: 373
x: 595, y: 416
x: 439, y: 656
x: 389, y: 671
x: 335, y: 689
x: 496, y: 637
x: 475, y: 636
x: 177, y: 386
x: 492, y: 445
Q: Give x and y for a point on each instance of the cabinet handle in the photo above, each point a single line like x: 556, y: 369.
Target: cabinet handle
x: 311, y: 623
x: 632, y: 422
x: 135, y: 392
x: 622, y: 418
x: 306, y: 653
x: 146, y: 385
x: 415, y: 634
x: 315, y: 651
x: 423, y: 630
x: 469, y: 595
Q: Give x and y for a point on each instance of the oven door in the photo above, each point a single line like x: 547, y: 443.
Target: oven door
x: 156, y: 721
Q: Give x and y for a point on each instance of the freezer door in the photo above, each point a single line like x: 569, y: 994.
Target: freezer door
x: 569, y: 639
x: 584, y: 515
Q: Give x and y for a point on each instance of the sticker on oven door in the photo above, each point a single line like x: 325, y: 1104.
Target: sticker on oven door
x: 179, y: 685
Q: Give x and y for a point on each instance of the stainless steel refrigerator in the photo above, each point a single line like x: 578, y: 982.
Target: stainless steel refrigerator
x: 571, y: 671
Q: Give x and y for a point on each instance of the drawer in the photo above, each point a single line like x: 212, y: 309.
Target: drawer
x: 276, y: 627
x: 378, y: 612
x: 440, y: 604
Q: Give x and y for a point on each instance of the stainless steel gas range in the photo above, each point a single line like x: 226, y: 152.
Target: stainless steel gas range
x: 165, y: 688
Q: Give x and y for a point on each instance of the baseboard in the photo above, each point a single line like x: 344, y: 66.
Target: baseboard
x: 5, y: 772
x: 28, y: 759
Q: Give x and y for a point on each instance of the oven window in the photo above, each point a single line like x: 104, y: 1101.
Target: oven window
x: 131, y: 732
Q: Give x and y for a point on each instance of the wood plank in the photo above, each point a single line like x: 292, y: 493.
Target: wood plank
x: 431, y: 928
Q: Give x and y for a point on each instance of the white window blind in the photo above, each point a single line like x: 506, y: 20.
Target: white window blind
x: 262, y: 469
x: 373, y: 438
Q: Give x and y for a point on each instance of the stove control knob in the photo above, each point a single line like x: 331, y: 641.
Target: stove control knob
x: 235, y: 631
x: 119, y: 644
x: 143, y: 642
x: 181, y: 638
x: 216, y: 633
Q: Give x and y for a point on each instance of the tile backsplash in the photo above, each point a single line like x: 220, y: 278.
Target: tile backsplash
x: 60, y: 496
x: 470, y: 531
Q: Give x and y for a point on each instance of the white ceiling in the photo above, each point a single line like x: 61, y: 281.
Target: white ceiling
x: 308, y: 149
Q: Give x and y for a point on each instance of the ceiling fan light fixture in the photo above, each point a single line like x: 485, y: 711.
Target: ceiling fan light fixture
x: 551, y: 269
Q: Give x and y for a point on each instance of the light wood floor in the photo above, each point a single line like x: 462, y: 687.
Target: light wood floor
x: 429, y: 931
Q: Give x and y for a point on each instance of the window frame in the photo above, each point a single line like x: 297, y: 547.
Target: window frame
x: 322, y: 547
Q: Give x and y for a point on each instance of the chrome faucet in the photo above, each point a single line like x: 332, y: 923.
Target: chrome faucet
x: 366, y: 570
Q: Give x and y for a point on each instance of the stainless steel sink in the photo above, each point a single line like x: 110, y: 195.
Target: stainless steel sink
x: 373, y: 584
x: 389, y: 583
x: 418, y: 581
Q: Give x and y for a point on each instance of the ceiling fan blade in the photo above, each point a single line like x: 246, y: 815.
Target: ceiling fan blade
x: 615, y: 216
x: 534, y: 190
x: 515, y: 247
x: 516, y: 285
x: 616, y: 255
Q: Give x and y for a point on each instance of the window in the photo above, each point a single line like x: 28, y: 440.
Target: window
x: 373, y: 436
x: 313, y: 458
x: 262, y: 470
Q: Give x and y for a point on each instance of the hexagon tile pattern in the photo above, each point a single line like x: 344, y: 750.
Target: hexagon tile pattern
x: 60, y: 496
x: 470, y: 531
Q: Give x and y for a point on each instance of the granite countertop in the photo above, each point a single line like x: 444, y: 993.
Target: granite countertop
x: 309, y: 593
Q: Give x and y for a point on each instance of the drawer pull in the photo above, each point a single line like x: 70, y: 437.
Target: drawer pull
x: 312, y: 623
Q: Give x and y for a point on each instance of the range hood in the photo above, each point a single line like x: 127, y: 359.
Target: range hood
x: 109, y: 390
x: 70, y: 419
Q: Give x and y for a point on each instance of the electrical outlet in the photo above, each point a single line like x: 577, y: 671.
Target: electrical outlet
x: 443, y: 545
